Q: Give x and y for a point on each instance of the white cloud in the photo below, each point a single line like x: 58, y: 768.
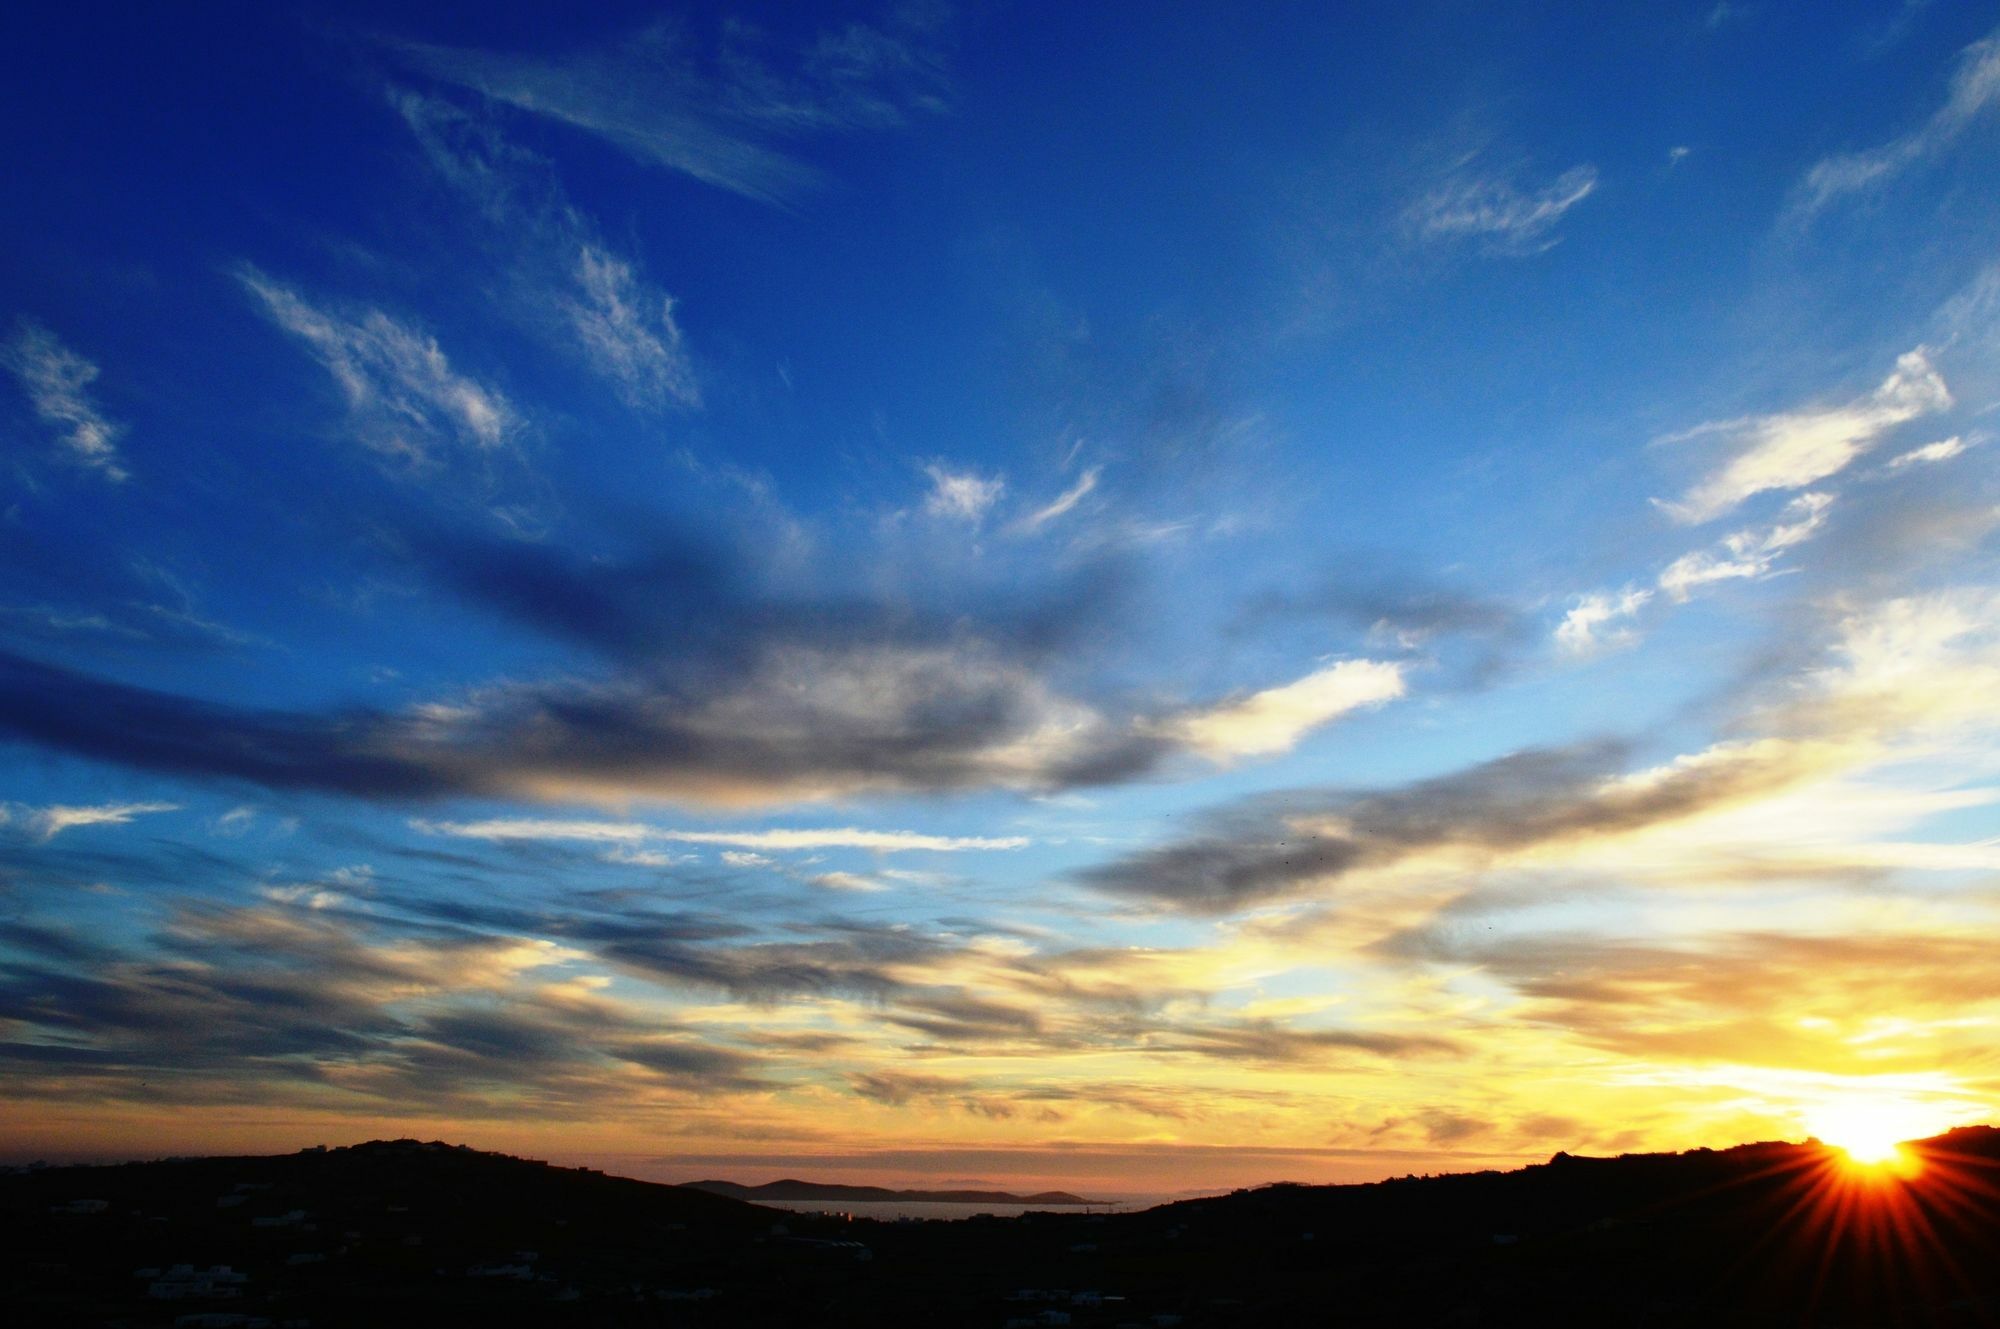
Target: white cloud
x: 848, y: 881
x: 1747, y: 553
x: 1275, y: 719
x: 847, y: 837
x: 1492, y: 209
x: 965, y: 495
x: 1942, y: 450
x: 57, y: 380
x: 1797, y: 448
x: 49, y: 822
x: 1975, y: 85
x: 400, y: 387
x: 1062, y: 503
x: 233, y: 823
x: 539, y: 828
x: 628, y: 329
x: 632, y: 832
x: 743, y: 858
x: 1586, y: 628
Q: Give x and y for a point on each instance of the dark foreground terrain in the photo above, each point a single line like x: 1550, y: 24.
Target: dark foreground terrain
x: 425, y: 1234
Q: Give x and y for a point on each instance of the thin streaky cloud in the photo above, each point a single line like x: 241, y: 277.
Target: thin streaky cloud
x: 1942, y: 450
x: 627, y: 832
x: 1494, y: 210
x: 406, y: 400
x: 1793, y: 449
x: 57, y: 383
x: 1277, y: 718
x: 1975, y: 85
x: 717, y: 117
x: 1062, y: 504
x: 49, y: 822
x: 568, y: 282
x: 1749, y: 553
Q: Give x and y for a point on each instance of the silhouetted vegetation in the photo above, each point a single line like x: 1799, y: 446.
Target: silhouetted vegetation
x: 403, y: 1233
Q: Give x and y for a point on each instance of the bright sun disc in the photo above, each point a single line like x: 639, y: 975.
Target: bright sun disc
x: 1870, y: 1134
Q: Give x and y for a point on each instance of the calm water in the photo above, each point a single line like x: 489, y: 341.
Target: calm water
x: 890, y: 1210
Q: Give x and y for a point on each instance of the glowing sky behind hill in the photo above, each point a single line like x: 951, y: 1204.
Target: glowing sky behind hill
x: 1013, y: 593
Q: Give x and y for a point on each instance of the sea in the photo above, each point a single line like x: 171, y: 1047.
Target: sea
x: 891, y: 1211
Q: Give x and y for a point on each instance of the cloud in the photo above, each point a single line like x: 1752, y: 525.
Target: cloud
x: 1747, y: 553
x: 304, y: 1008
x: 964, y: 495
x: 1061, y: 504
x: 831, y: 837
x: 1282, y: 845
x: 1975, y: 85
x: 1942, y: 450
x: 49, y: 822
x: 583, y: 296
x: 1587, y: 627
x: 1491, y: 209
x: 848, y: 881
x: 1275, y: 719
x: 405, y: 399
x: 1756, y: 998
x: 57, y: 381
x: 1797, y: 448
x: 718, y: 119
x: 1267, y: 1042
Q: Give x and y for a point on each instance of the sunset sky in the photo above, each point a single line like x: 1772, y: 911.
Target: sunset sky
x: 1137, y: 598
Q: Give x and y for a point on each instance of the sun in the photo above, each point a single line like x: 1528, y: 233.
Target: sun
x: 1869, y: 1132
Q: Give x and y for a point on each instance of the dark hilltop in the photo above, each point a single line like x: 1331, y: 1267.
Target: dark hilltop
x: 405, y: 1233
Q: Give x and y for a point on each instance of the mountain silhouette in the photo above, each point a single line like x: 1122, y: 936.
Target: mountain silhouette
x: 401, y: 1232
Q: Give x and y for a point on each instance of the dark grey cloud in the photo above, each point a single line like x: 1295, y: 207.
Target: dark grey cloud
x: 707, y: 683
x: 1265, y: 1041
x: 266, y: 1004
x: 1278, y: 845
x: 857, y: 964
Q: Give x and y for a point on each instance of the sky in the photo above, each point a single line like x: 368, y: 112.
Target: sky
x: 1027, y: 594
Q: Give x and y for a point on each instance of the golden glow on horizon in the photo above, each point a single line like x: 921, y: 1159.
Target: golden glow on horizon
x: 1871, y: 1132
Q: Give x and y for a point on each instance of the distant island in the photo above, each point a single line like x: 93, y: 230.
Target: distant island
x: 793, y: 1189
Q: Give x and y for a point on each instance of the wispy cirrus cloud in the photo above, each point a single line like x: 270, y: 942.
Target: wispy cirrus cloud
x: 1749, y: 553
x: 1491, y: 209
x: 1975, y: 86
x: 567, y: 280
x: 1793, y: 449
x: 1061, y: 505
x: 719, y: 116
x: 46, y: 823
x: 406, y: 401
x: 1942, y: 450
x: 57, y: 382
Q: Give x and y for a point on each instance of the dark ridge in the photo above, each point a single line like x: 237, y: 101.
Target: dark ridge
x: 405, y: 1233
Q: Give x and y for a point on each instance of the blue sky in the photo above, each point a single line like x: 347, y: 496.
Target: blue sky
x: 997, y: 591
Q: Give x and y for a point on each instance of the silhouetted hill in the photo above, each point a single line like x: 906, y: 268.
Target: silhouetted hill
x: 402, y: 1233
x: 793, y: 1189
